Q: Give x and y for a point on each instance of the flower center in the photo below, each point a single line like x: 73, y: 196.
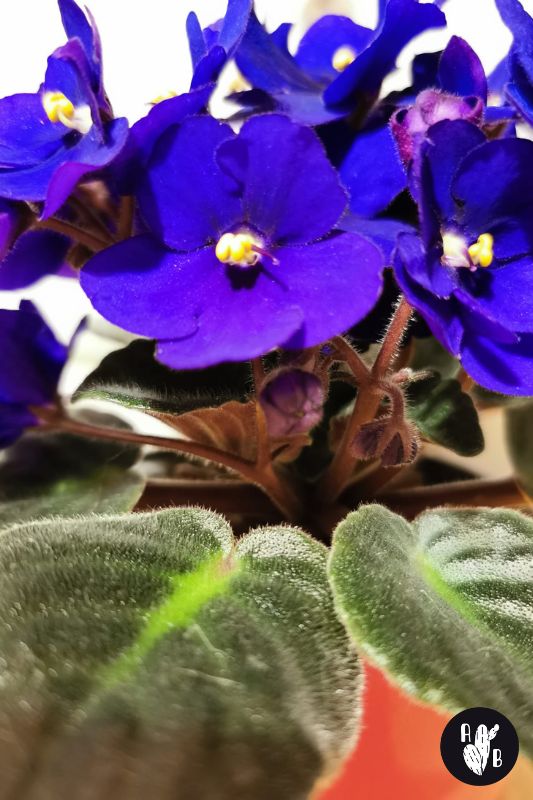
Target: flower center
x: 239, y: 249
x: 343, y: 57
x: 160, y: 97
x: 482, y: 252
x: 456, y: 253
x: 59, y: 108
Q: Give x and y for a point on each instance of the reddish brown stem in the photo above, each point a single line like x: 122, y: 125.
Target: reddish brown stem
x: 88, y: 239
x: 392, y: 339
x: 262, y: 475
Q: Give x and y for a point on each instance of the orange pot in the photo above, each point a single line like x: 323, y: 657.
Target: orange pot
x: 398, y: 756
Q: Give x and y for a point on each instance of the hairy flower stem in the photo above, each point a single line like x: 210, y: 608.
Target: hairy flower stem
x: 79, y: 235
x: 369, y: 396
x: 262, y: 475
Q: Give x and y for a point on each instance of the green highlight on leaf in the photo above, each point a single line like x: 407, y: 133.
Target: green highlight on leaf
x: 157, y: 645
x: 189, y: 593
x: 443, y: 605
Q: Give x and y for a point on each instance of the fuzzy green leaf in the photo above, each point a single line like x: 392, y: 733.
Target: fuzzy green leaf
x: 58, y: 474
x: 151, y: 651
x: 133, y: 378
x: 445, y: 605
x: 445, y: 414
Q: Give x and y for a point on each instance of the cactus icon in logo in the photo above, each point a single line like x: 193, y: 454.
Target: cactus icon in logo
x: 476, y: 755
x: 479, y: 746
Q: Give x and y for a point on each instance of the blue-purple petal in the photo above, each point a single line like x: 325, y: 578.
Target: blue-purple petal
x: 319, y: 44
x: 33, y: 255
x: 504, y: 368
x: 372, y: 171
x: 286, y: 179
x: 461, y: 71
x: 404, y: 19
x: 185, y: 197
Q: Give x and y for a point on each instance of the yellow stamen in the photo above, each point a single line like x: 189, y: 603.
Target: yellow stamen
x: 237, y: 249
x: 343, y: 57
x: 58, y: 108
x: 482, y: 252
x: 161, y: 97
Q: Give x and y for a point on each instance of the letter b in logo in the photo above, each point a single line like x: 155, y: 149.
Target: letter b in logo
x: 479, y: 746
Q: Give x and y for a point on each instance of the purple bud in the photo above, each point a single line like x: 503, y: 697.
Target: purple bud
x: 410, y: 125
x: 371, y: 438
x: 400, y: 450
x: 293, y: 402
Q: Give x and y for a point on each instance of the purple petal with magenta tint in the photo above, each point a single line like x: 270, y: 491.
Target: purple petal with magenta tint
x: 139, y: 285
x: 346, y: 269
x: 320, y: 43
x: 404, y: 19
x: 461, y: 72
x: 185, y: 197
x: 410, y: 125
x: 504, y: 368
x: 26, y: 134
x: 32, y: 358
x: 269, y: 67
x: 287, y: 178
x: 493, y: 183
x: 90, y: 155
x: 372, y: 172
x: 33, y: 255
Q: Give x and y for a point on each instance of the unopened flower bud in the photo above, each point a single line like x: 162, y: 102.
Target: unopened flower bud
x: 293, y: 402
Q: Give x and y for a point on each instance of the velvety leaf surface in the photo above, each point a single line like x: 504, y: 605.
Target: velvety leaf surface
x: 519, y: 425
x: 133, y: 378
x: 58, y: 474
x: 445, y: 605
x: 446, y: 415
x: 152, y: 656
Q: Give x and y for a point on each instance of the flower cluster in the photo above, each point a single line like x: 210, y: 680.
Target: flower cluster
x: 279, y: 227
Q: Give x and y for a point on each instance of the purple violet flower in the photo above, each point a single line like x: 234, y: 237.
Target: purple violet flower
x: 337, y: 66
x: 471, y: 274
x: 50, y: 140
x: 32, y: 362
x: 242, y: 255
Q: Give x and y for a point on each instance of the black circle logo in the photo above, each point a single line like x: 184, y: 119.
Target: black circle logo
x: 479, y: 746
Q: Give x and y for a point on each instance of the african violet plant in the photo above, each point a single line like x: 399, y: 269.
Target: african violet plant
x: 319, y: 286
